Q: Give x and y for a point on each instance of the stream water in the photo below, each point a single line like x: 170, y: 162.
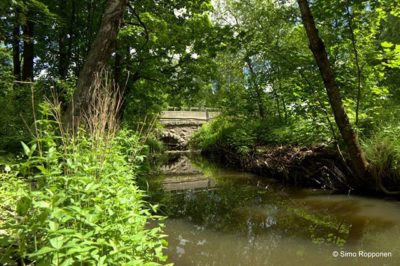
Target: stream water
x: 219, y: 216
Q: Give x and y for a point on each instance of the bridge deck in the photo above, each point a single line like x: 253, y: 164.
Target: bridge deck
x: 188, y: 115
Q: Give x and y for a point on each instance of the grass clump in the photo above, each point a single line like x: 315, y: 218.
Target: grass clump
x: 382, y: 150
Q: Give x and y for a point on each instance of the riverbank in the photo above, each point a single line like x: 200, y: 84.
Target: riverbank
x: 320, y: 166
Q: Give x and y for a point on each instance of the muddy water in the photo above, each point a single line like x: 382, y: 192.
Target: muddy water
x: 223, y: 217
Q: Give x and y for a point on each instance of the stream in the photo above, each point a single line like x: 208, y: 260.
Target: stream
x: 220, y: 216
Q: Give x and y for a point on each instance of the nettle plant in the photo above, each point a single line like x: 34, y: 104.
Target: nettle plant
x: 78, y: 203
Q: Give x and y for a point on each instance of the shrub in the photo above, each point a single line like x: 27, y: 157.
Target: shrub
x: 78, y: 203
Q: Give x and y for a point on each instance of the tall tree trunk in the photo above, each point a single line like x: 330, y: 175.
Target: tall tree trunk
x: 16, y: 51
x: 317, y: 47
x: 28, y: 54
x: 97, y: 59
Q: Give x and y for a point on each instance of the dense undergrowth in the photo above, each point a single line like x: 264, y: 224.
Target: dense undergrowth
x: 243, y: 135
x: 73, y: 200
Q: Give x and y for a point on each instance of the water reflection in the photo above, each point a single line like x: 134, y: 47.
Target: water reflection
x: 224, y: 217
x: 181, y: 175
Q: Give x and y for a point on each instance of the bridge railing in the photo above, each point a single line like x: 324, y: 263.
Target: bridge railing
x: 194, y: 108
x: 189, y: 115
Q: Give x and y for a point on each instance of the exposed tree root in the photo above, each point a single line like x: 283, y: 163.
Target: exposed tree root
x: 304, y: 166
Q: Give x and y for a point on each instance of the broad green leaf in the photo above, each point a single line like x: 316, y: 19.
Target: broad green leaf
x: 42, y: 204
x: 57, y: 242
x: 42, y: 251
x: 101, y: 261
x: 53, y: 226
x: 67, y: 262
x: 23, y: 205
x: 26, y: 148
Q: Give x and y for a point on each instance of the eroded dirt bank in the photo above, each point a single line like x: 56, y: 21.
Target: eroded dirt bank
x: 314, y: 166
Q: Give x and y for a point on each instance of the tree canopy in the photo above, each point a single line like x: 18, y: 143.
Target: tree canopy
x: 248, y: 58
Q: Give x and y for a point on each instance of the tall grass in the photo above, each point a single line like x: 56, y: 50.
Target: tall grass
x: 382, y: 150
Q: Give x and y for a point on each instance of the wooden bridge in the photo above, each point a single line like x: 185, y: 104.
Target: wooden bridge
x: 180, y: 125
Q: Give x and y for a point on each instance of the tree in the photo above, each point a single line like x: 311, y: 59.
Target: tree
x: 165, y: 56
x: 28, y: 53
x: 97, y: 59
x: 16, y: 47
x: 360, y: 165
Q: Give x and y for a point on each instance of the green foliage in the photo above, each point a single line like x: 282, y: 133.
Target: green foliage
x: 249, y: 58
x: 302, y: 132
x: 20, y: 102
x: 361, y: 39
x: 6, y: 76
x: 382, y: 150
x: 73, y: 201
x: 12, y: 128
x: 154, y: 145
x: 391, y: 56
x: 242, y: 136
x: 225, y: 134
x: 6, y: 83
x: 168, y: 49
